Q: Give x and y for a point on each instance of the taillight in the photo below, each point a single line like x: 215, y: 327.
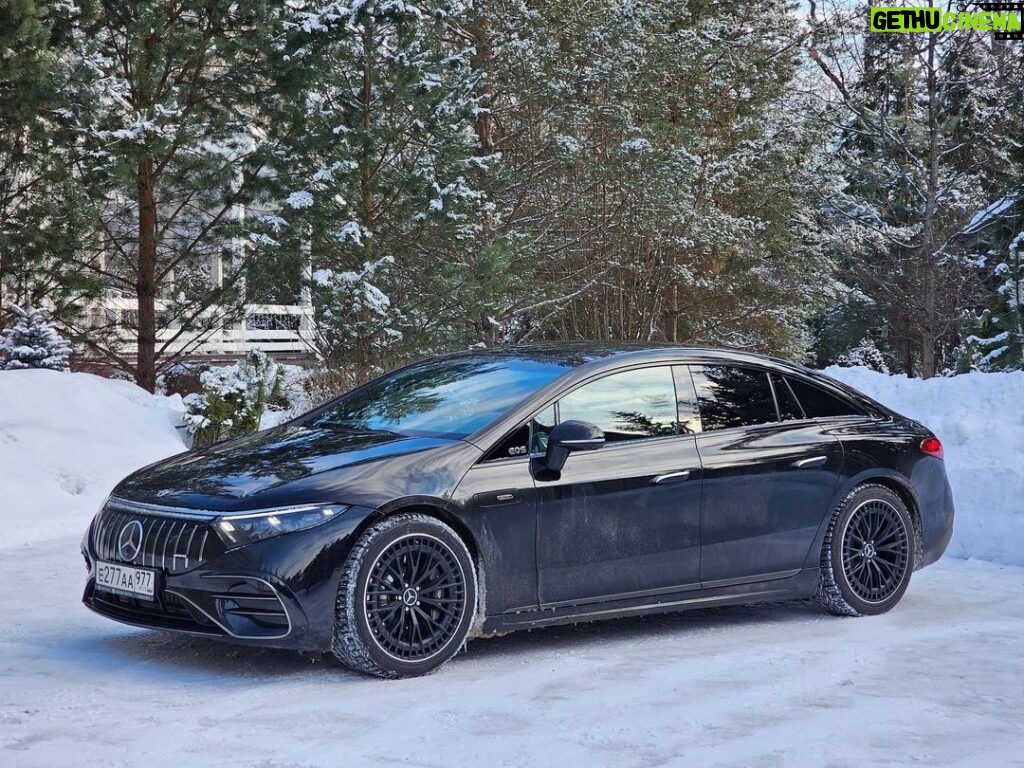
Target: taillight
x: 932, y: 447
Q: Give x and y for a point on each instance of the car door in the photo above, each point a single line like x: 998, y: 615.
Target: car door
x: 498, y: 498
x: 623, y: 520
x: 769, y: 478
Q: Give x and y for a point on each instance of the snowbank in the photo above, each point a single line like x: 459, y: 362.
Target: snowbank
x: 980, y: 419
x: 65, y: 440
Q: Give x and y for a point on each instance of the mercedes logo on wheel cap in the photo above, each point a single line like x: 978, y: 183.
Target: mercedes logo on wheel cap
x: 129, y: 541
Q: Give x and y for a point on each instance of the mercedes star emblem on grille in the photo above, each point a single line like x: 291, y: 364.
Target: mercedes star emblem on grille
x: 129, y: 541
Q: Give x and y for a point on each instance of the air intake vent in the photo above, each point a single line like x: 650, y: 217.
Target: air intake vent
x: 251, y: 608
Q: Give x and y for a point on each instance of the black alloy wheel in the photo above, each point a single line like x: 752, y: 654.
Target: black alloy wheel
x: 876, y: 550
x: 407, y: 598
x: 869, y: 553
x: 415, y: 597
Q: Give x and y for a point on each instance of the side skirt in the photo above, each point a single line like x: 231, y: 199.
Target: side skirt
x: 800, y: 586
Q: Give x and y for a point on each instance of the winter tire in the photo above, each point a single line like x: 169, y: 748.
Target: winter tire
x: 407, y: 598
x: 868, y: 554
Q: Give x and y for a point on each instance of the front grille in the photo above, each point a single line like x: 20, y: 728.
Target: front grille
x: 172, y: 543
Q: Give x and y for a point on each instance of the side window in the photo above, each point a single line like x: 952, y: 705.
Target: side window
x: 540, y: 427
x: 819, y: 404
x: 733, y: 397
x: 789, y: 406
x: 686, y: 397
x: 626, y: 406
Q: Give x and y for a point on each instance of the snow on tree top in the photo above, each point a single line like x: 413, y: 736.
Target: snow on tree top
x: 33, y: 342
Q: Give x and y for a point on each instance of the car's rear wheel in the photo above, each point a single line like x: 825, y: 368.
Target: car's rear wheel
x: 407, y: 598
x: 868, y: 554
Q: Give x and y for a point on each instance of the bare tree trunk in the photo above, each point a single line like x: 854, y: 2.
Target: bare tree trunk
x: 361, y: 353
x: 930, y: 320
x: 483, y: 60
x: 145, y: 278
x: 928, y: 340
x: 673, y: 313
x: 906, y: 358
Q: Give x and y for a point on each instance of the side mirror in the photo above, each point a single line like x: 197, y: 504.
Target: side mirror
x: 567, y: 437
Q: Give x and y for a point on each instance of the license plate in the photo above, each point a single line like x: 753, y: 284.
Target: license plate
x: 126, y: 580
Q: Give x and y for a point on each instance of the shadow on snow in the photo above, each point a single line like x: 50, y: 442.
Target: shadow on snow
x: 152, y: 654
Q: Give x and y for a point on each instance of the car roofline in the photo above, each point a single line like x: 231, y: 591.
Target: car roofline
x: 652, y: 355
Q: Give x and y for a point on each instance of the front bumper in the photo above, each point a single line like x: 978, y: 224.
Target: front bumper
x: 280, y: 592
x: 238, y: 607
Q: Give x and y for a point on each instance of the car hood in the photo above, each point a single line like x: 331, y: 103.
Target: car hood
x: 295, y: 464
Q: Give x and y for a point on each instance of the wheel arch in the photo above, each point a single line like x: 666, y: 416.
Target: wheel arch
x: 896, y: 483
x: 440, y: 511
x: 906, y: 494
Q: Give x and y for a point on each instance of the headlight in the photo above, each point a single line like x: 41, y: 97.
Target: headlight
x: 238, y: 530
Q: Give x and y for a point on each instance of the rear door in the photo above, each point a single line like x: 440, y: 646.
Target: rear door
x: 769, y: 475
x: 623, y: 521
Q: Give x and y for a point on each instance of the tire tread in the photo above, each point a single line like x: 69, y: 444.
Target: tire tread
x: 829, y: 595
x: 347, y: 645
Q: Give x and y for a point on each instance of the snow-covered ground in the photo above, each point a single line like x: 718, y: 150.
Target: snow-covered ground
x: 938, y: 681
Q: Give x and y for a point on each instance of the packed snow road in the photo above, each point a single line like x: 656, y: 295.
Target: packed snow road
x: 939, y: 681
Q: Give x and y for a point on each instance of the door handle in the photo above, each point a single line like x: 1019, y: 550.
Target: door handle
x: 810, y: 462
x: 496, y: 498
x: 672, y: 477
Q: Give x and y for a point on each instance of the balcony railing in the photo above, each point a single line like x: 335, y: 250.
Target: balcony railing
x: 273, y: 328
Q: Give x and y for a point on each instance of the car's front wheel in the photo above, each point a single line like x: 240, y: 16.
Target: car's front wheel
x: 407, y: 598
x: 868, y: 554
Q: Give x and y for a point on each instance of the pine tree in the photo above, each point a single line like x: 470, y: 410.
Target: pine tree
x: 656, y: 174
x: 41, y: 209
x: 173, y: 106
x: 866, y: 354
x: 26, y: 83
x: 382, y: 175
x: 995, y: 328
x: 234, y: 399
x: 996, y: 341
x: 33, y: 342
x: 924, y: 146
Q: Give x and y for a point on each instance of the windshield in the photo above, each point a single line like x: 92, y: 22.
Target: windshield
x: 451, y: 397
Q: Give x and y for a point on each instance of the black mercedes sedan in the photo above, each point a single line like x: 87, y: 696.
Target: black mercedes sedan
x: 520, y: 487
